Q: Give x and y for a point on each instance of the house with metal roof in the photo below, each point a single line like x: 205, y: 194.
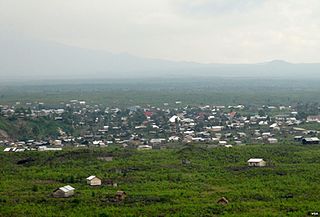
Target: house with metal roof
x: 311, y: 140
x: 93, y: 181
x: 63, y: 192
x: 7, y: 149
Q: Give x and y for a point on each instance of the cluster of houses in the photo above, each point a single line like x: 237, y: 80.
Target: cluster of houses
x: 151, y: 127
x: 69, y: 191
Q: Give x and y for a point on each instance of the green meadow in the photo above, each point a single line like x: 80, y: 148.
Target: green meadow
x: 157, y: 183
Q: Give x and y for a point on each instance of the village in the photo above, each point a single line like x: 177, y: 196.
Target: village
x: 80, y: 124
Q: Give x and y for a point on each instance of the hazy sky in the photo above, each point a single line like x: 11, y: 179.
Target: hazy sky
x: 217, y: 31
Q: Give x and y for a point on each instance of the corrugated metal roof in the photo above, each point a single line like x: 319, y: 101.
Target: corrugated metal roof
x: 312, y: 139
x: 66, y: 188
x: 7, y: 149
x: 91, y: 177
x: 69, y: 187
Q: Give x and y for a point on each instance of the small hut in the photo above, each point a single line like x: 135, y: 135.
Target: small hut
x: 93, y: 181
x: 120, y: 196
x: 256, y: 162
x: 66, y: 191
x: 223, y: 201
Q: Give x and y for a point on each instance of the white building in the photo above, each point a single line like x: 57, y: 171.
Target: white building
x: 93, y: 181
x: 144, y: 147
x: 174, y: 118
x: 272, y: 140
x: 256, y: 162
x: 66, y: 191
x: 45, y: 148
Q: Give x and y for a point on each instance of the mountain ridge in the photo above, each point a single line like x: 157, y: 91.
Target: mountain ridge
x: 30, y: 59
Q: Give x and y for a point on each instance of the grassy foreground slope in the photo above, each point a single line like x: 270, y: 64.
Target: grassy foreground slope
x: 158, y: 184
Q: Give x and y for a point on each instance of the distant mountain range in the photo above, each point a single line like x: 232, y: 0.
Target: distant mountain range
x: 28, y: 59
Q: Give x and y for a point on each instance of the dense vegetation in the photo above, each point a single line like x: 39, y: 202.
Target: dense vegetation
x: 159, y: 184
x: 27, y: 128
x: 213, y: 90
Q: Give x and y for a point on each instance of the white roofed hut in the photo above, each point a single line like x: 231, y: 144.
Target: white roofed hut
x: 144, y: 147
x: 63, y: 192
x: 7, y: 149
x: 93, y: 181
x: 174, y: 119
x: 312, y: 140
x: 272, y: 140
x: 256, y: 162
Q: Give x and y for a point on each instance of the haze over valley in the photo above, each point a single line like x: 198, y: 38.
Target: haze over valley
x: 159, y: 108
x: 27, y: 59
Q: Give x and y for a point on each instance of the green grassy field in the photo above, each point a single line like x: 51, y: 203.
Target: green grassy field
x: 158, y: 184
